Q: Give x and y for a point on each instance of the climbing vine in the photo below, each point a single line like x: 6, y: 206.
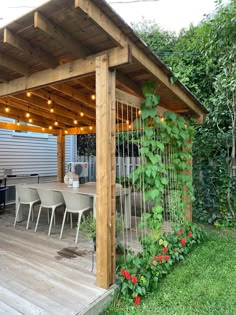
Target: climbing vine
x: 159, y: 135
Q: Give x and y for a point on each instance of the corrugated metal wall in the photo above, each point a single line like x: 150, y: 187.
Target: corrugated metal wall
x: 29, y: 154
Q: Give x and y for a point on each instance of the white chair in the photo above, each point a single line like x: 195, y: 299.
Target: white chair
x: 50, y: 200
x: 27, y: 196
x: 75, y: 203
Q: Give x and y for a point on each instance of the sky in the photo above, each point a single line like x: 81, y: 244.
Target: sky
x: 170, y: 15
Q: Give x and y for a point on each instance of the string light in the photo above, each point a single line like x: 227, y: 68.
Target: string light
x: 28, y: 94
x: 162, y: 119
x: 56, y: 123
x: 27, y: 115
x: 30, y: 120
x: 18, y: 123
x: 81, y: 114
x: 50, y: 127
x: 7, y: 109
x: 82, y: 129
x: 49, y: 101
x: 90, y: 127
x: 93, y: 97
x: 75, y: 121
x: 52, y: 109
x: 43, y: 129
x: 66, y: 131
x: 127, y: 122
x: 130, y: 126
x: 139, y: 112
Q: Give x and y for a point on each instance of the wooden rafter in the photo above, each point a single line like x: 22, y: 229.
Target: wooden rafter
x: 128, y: 83
x: 65, y: 103
x: 40, y: 104
x: 98, y: 17
x: 56, y: 32
x: 13, y: 64
x: 75, y: 94
x: 22, y: 44
x: 44, y: 113
x: 20, y: 115
x: 68, y: 71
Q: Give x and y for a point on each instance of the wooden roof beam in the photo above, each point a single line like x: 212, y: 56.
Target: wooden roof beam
x: 128, y: 83
x: 65, y: 103
x: 11, y: 126
x: 13, y: 64
x: 75, y: 94
x: 22, y: 44
x: 20, y: 115
x: 67, y: 71
x: 38, y: 112
x: 97, y: 15
x: 40, y: 103
x: 56, y: 32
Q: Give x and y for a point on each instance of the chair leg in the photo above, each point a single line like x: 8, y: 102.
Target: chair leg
x: 29, y: 215
x: 36, y: 226
x: 63, y: 223
x: 48, y: 215
x: 52, y: 217
x: 32, y: 217
x: 17, y: 211
x: 71, y: 220
x: 78, y: 226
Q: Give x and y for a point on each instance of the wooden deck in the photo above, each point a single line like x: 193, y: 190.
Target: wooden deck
x: 44, y: 275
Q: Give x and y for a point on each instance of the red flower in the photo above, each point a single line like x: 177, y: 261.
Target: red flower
x: 180, y: 232
x: 190, y: 234
x: 167, y: 257
x: 123, y: 272
x: 154, y: 258
x: 134, y: 279
x: 165, y: 250
x: 183, y: 241
x: 127, y: 275
x: 137, y: 300
x: 160, y: 258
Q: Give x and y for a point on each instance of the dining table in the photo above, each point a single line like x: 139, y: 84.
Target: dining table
x: 88, y: 189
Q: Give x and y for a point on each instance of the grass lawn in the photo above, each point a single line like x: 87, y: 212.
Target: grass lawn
x: 205, y: 283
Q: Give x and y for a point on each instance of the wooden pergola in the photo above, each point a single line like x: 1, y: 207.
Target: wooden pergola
x: 66, y: 64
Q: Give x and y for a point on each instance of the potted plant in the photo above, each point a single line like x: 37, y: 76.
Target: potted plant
x: 88, y: 226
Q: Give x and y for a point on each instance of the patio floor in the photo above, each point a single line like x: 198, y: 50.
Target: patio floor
x: 44, y: 275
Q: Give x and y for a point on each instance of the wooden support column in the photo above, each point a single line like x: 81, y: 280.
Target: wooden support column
x: 60, y: 156
x: 105, y: 171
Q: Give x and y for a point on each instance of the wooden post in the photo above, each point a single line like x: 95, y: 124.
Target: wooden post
x: 105, y: 172
x: 60, y: 156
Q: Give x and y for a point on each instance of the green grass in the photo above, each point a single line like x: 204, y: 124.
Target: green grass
x: 205, y: 283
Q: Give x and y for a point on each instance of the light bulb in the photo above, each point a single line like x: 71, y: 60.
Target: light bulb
x: 28, y: 94
x: 7, y: 109
x: 66, y: 131
x: 130, y: 126
x: 90, y: 127
x: 27, y: 115
x: 30, y: 120
x: 127, y: 122
x: 75, y: 121
x: 49, y: 101
x: 43, y: 129
x: 50, y: 127
x: 162, y: 119
x: 56, y: 123
x: 82, y: 129
x: 93, y: 97
x: 52, y: 110
x: 81, y: 114
x: 140, y: 112
x: 18, y: 123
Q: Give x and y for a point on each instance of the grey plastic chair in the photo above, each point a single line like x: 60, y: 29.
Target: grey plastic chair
x: 76, y: 203
x: 27, y: 196
x: 50, y: 200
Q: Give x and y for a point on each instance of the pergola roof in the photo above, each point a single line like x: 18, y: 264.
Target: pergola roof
x: 51, y: 52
